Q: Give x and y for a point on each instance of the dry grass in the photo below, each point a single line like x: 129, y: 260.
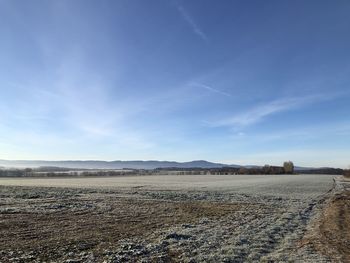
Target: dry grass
x: 331, y: 235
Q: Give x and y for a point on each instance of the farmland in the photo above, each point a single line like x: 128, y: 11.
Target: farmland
x: 164, y: 218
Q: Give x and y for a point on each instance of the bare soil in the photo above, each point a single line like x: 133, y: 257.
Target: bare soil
x: 330, y: 234
x: 44, y: 224
x: 258, y: 219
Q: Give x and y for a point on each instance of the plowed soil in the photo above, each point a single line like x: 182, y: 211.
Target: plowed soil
x: 171, y: 219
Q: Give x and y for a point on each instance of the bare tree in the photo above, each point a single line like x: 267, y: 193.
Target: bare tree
x: 288, y: 167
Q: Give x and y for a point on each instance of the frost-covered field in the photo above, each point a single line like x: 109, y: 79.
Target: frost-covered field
x: 163, y: 218
x: 299, y: 186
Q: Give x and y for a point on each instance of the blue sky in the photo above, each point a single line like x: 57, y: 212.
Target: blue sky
x: 244, y: 82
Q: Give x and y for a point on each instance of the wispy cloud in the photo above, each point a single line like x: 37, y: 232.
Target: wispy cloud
x: 258, y: 113
x: 211, y: 89
x: 77, y: 104
x: 305, y: 133
x: 190, y: 21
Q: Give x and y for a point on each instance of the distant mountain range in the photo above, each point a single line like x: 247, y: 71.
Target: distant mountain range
x: 153, y: 164
x: 113, y: 164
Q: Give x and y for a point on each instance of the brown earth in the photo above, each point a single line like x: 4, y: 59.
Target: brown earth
x: 255, y: 219
x: 48, y: 227
x: 331, y: 233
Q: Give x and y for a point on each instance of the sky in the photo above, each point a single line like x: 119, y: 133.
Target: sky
x: 238, y: 82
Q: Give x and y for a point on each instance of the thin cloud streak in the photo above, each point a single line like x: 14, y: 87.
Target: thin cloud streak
x: 211, y: 89
x: 190, y: 21
x: 305, y: 133
x: 259, y: 113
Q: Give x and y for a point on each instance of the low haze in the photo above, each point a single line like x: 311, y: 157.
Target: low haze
x: 243, y: 82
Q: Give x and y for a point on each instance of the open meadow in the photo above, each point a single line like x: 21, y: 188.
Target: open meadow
x: 165, y: 218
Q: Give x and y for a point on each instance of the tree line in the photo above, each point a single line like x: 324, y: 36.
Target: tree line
x: 287, y: 168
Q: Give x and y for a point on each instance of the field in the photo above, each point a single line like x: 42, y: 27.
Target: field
x: 167, y: 218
